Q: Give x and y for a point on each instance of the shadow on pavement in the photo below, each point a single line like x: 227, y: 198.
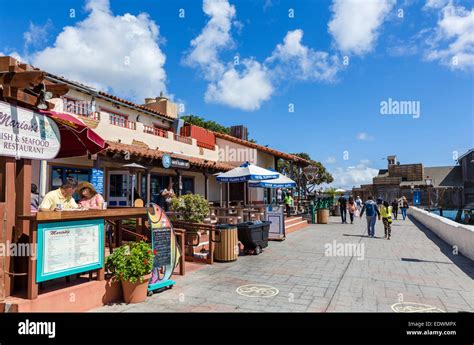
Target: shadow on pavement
x: 465, y: 264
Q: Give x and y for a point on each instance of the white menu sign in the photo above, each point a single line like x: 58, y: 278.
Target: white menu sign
x: 27, y: 134
x: 70, y: 247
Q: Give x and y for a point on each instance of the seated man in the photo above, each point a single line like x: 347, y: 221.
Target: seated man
x: 61, y: 198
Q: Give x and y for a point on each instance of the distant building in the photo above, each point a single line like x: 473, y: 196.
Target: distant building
x: 466, y: 161
x: 405, y: 179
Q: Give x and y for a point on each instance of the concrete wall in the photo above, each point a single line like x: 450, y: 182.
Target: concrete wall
x: 453, y: 233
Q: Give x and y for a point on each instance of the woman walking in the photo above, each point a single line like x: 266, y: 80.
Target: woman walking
x: 404, y: 207
x: 352, y: 208
x: 386, y: 212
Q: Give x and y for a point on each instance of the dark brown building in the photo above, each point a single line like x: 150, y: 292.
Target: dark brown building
x: 405, y: 179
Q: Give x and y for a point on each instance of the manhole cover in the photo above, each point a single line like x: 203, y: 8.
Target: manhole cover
x: 411, y: 307
x: 257, y: 290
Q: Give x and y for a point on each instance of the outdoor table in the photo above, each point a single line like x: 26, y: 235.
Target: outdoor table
x: 115, y: 214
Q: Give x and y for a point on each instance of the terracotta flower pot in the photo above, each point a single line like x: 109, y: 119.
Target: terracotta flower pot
x: 135, y: 292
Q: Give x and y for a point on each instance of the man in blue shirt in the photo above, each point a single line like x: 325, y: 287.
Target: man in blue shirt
x: 370, y: 208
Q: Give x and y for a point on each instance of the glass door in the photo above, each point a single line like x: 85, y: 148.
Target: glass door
x: 119, y: 188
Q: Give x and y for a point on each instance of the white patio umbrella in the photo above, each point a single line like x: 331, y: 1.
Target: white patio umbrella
x: 245, y: 173
x: 281, y: 181
x: 340, y: 190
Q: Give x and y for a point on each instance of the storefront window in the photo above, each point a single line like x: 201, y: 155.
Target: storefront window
x: 59, y: 174
x: 118, y: 186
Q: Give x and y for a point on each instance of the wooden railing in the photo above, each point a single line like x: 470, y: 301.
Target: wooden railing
x: 206, y: 145
x: 181, y: 139
x: 155, y: 131
x: 122, y: 122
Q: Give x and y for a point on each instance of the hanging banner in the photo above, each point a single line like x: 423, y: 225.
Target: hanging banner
x: 27, y: 134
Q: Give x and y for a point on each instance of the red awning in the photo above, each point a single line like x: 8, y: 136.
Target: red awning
x: 76, y: 138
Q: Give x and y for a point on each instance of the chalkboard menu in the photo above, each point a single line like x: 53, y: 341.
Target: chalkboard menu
x: 162, y: 247
x: 97, y: 180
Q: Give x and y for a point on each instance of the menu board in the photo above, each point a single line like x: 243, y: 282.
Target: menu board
x: 67, y: 248
x: 97, y: 180
x: 274, y: 214
x: 162, y: 247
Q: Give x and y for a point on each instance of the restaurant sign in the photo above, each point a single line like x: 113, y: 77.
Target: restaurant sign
x: 180, y: 163
x: 27, y: 134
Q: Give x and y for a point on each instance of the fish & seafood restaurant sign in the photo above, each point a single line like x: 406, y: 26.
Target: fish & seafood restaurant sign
x: 26, y: 134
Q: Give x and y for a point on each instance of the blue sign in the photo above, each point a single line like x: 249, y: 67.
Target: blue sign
x: 166, y: 161
x: 66, y: 248
x: 97, y: 180
x: 417, y: 197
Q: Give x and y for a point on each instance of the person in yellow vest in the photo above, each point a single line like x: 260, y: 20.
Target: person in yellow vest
x: 60, y: 199
x: 288, y: 203
x: 386, y: 213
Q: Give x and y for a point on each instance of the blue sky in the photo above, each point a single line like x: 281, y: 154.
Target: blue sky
x: 333, y: 63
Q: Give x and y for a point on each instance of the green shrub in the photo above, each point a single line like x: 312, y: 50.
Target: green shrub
x: 131, y: 262
x: 191, y: 207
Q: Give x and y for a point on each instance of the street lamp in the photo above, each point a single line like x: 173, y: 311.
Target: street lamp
x: 429, y: 183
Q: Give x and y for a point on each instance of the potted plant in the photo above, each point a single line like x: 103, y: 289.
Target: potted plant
x: 132, y: 264
x: 192, y: 208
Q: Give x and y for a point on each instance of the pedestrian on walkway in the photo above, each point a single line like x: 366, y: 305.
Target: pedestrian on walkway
x: 352, y: 208
x: 386, y: 213
x: 395, y: 208
x: 343, y: 208
x: 379, y: 202
x: 288, y: 204
x: 359, y: 203
x: 371, y: 210
x: 404, y: 207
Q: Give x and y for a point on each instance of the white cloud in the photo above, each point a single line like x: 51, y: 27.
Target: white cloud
x: 120, y: 54
x: 430, y: 4
x: 330, y: 160
x: 295, y: 60
x: 355, y: 24
x: 37, y: 35
x: 452, y: 42
x: 363, y: 136
x: 214, y: 37
x: 351, y: 176
x: 245, y: 90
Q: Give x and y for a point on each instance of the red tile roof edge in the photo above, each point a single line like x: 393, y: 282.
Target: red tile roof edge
x: 157, y: 154
x: 262, y: 148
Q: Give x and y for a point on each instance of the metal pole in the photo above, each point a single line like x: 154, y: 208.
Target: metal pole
x: 133, y: 190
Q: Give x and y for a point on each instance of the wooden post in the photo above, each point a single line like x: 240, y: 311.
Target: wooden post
x: 23, y: 195
x: 118, y: 233
x: 148, y: 187
x: 8, y: 181
x: 32, y: 285
x: 206, y: 185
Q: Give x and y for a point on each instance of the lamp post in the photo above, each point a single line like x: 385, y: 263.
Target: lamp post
x: 428, y: 183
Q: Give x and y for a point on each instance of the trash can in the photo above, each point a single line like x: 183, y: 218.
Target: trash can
x: 254, y: 235
x: 226, y: 246
x: 323, y: 215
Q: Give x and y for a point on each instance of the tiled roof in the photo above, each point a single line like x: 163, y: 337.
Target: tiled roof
x: 141, y: 151
x: 111, y: 97
x: 271, y: 151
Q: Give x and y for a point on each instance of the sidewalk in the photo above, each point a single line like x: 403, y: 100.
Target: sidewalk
x: 415, y: 266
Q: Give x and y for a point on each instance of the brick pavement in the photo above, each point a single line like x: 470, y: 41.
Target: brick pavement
x: 415, y: 266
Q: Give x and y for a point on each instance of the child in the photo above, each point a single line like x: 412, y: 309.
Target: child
x: 352, y: 209
x: 386, y: 213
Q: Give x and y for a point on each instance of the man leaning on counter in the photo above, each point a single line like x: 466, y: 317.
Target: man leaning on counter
x: 61, y: 198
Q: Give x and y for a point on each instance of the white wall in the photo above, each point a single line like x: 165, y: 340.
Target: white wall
x: 126, y: 136
x: 453, y: 233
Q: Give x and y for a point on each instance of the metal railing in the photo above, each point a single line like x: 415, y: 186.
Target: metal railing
x: 122, y: 122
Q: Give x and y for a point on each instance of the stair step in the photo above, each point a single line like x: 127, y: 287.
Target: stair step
x: 296, y: 226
